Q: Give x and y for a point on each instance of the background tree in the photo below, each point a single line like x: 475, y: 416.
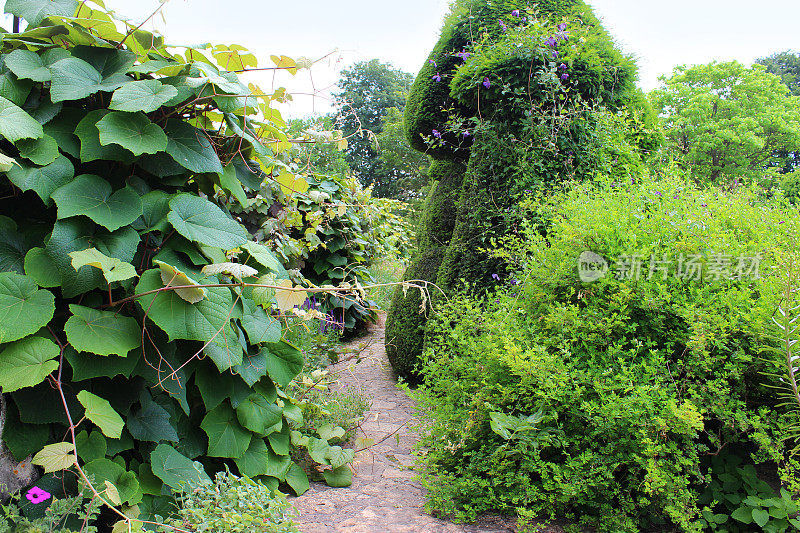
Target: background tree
x: 318, y: 155
x: 786, y: 65
x: 368, y: 90
x: 725, y: 119
x: 402, y: 171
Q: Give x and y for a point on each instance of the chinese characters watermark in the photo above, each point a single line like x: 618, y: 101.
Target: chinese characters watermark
x: 692, y: 267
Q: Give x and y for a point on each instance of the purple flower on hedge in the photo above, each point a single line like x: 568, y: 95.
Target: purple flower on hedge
x: 562, y: 26
x: 437, y: 134
x: 464, y: 55
x: 495, y: 277
x: 467, y: 134
x: 658, y: 193
x: 555, y: 54
x: 515, y: 13
x: 436, y: 77
x: 551, y: 42
x: 562, y: 66
x: 37, y: 495
x: 564, y: 77
x: 503, y: 25
x: 432, y: 62
x: 487, y: 83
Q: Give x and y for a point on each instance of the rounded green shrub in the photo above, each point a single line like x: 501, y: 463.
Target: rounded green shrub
x: 605, y: 402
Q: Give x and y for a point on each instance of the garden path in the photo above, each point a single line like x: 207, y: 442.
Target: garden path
x: 384, y: 496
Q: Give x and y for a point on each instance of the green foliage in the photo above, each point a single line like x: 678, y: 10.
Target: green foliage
x: 367, y: 91
x: 725, y: 121
x: 139, y: 298
x: 402, y: 171
x: 232, y: 504
x: 739, y: 501
x: 62, y: 515
x: 602, y: 402
x: 786, y: 65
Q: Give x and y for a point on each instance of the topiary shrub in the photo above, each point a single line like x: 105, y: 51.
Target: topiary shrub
x: 524, y: 95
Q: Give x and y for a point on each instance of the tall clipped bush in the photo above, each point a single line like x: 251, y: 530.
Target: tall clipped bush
x: 520, y: 95
x: 140, y: 340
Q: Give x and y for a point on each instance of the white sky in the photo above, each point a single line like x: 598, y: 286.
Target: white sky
x: 660, y: 34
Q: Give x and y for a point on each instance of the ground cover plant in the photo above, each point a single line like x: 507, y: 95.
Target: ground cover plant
x: 142, y: 288
x: 640, y: 399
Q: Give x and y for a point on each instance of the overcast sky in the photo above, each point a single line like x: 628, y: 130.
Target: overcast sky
x: 659, y: 34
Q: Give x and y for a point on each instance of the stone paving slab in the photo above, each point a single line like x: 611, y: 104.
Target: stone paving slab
x: 384, y: 496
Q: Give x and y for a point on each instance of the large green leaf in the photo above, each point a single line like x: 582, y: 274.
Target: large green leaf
x: 24, y: 308
x: 253, y: 367
x: 15, y: 89
x: 43, y: 180
x: 339, y: 477
x: 112, y: 268
x: 180, y: 319
x: 259, y: 460
x: 151, y: 422
x: 27, y: 363
x: 258, y: 414
x: 30, y: 65
x: 201, y: 221
x: 13, y: 247
x: 155, y: 208
x: 91, y: 446
x: 226, y: 438
x: 190, y: 147
x: 41, y: 151
x: 41, y: 268
x: 92, y: 196
x: 16, y: 124
x: 34, y: 11
x: 87, y: 365
x: 297, y: 479
x: 132, y: 131
x: 264, y: 256
x: 23, y: 440
x: 106, y: 470
x: 78, y: 234
x: 100, y: 412
x: 91, y: 148
x: 216, y: 387
x: 102, y: 332
x: 259, y: 326
x: 144, y: 95
x: 176, y: 471
x: 225, y: 349
x: 75, y: 79
x: 62, y: 128
x: 284, y: 362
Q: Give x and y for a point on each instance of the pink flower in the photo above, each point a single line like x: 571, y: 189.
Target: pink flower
x: 37, y: 495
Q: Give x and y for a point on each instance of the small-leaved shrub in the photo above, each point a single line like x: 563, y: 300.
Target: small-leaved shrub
x: 603, y: 402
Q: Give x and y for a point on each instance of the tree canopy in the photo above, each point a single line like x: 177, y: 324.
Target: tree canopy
x: 786, y: 65
x: 728, y: 120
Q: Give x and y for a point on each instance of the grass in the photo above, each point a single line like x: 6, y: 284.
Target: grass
x: 387, y: 270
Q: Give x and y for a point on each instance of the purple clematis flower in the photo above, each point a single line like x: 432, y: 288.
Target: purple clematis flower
x: 564, y: 77
x: 37, y: 495
x: 495, y: 277
x: 503, y: 25
x: 555, y: 54
x: 436, y: 77
x: 515, y: 13
x: 467, y: 134
x: 551, y: 42
x: 562, y: 66
x: 487, y: 83
x: 562, y: 26
x: 437, y: 134
x: 464, y: 55
x: 432, y: 62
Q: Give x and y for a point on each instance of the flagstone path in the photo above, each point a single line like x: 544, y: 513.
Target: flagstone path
x: 384, y: 496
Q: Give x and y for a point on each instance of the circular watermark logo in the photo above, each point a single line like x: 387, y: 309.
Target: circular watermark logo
x: 591, y: 267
